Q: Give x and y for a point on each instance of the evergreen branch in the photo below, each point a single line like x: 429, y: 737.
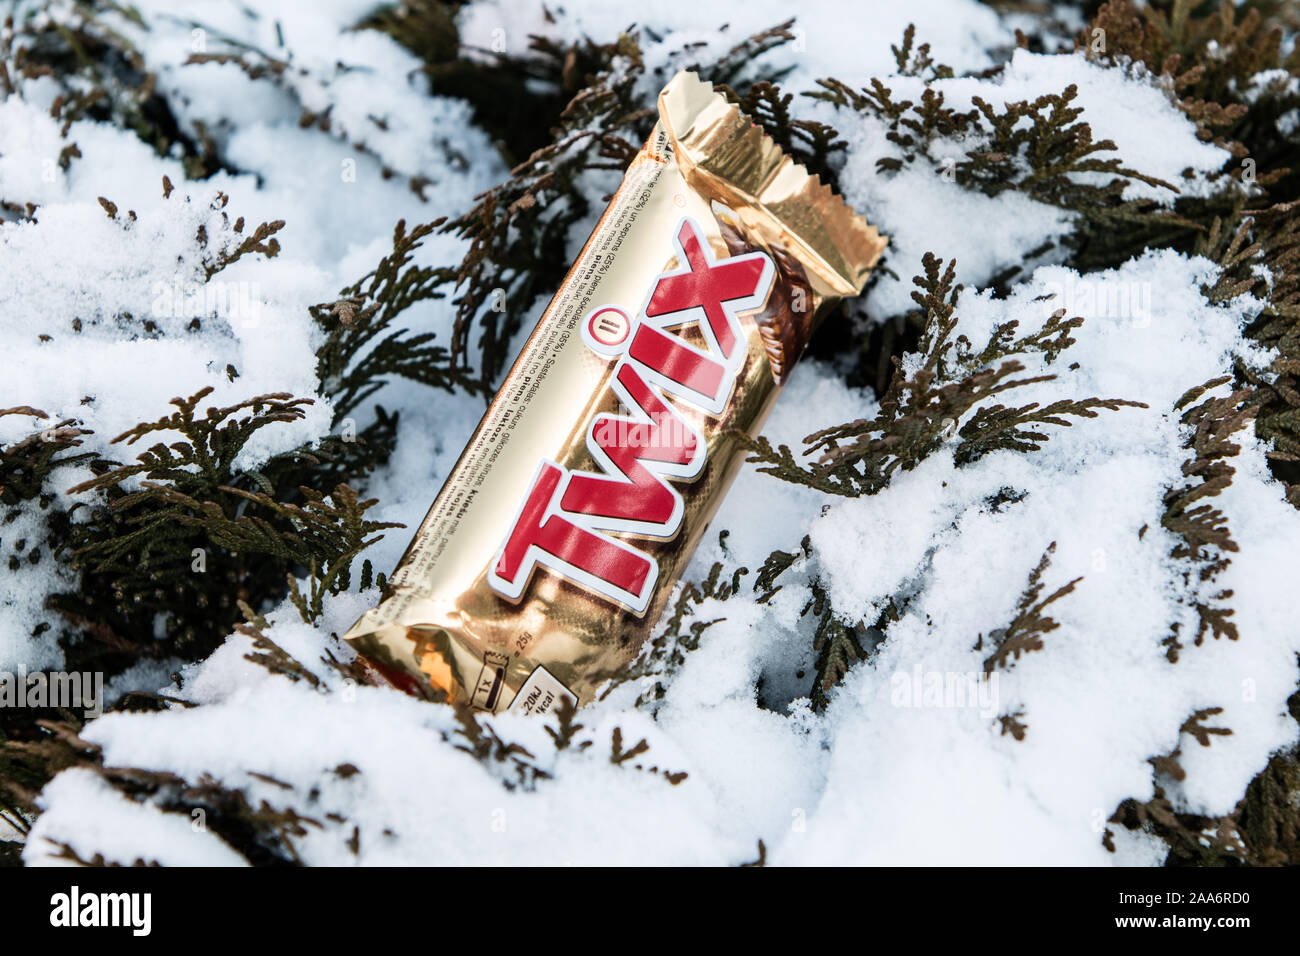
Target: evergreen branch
x: 1026, y: 631
x: 944, y: 396
x: 1204, y: 538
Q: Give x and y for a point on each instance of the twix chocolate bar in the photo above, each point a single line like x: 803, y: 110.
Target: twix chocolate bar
x: 555, y: 543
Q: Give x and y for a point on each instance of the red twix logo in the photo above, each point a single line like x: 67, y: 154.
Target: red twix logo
x: 567, y: 516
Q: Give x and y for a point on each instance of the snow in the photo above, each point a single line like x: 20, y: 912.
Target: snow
x: 92, y: 813
x: 880, y: 776
x: 960, y: 32
x: 1101, y: 697
x: 1130, y: 109
x: 129, y: 272
x: 923, y: 207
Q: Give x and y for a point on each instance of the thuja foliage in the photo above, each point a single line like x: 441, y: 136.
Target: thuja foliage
x: 1262, y: 830
x: 100, y: 77
x: 260, y: 241
x: 517, y: 93
x: 178, y: 538
x: 26, y: 464
x: 1226, y: 68
x: 835, y: 643
x: 1261, y: 259
x: 268, y: 831
x: 175, y: 549
x: 516, y: 768
x: 157, y: 556
x: 1204, y: 539
x: 1025, y: 633
x: 520, y: 231
x: 597, y: 116
x: 679, y: 634
x: 361, y: 350
x: 1042, y: 148
x: 291, y: 79
x: 1212, y: 57
x: 944, y: 397
x: 263, y: 832
x: 1203, y: 839
x: 163, y: 550
x: 570, y: 117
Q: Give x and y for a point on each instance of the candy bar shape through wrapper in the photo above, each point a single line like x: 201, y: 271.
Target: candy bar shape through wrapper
x: 555, y: 543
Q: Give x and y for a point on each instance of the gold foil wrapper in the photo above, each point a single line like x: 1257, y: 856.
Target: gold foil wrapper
x: 612, y: 440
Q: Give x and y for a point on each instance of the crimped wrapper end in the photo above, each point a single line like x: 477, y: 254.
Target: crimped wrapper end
x: 724, y: 153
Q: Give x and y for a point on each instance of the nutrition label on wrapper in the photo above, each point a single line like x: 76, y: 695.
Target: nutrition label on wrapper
x: 540, y: 694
